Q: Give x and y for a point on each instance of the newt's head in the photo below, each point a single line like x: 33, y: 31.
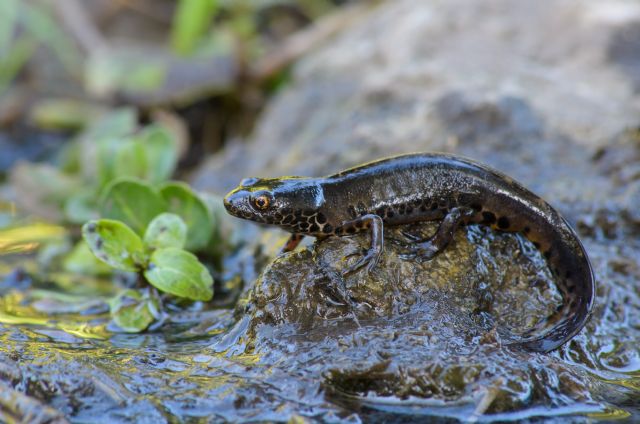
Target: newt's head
x: 289, y: 202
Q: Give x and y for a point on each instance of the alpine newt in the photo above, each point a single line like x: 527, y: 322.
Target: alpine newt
x: 424, y: 187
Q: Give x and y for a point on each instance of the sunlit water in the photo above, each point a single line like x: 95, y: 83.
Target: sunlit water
x: 56, y: 349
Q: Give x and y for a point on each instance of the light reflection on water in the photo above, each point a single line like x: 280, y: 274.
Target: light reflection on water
x: 62, y: 318
x: 26, y: 239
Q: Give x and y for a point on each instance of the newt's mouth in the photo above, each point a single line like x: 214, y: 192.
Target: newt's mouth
x: 236, y: 203
x: 228, y: 206
x: 232, y: 202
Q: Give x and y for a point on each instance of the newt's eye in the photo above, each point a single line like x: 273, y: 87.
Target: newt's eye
x: 262, y: 201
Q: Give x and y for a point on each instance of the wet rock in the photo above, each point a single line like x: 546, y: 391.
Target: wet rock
x: 420, y: 333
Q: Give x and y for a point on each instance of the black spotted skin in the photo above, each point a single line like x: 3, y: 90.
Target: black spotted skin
x: 424, y: 187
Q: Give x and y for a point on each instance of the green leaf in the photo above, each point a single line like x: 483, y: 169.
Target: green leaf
x: 100, y: 143
x: 39, y: 20
x: 63, y: 114
x: 166, y: 230
x: 161, y: 151
x: 191, y: 21
x: 133, y: 311
x: 8, y: 22
x: 179, y: 272
x: 83, y: 262
x: 43, y: 189
x: 132, y: 202
x: 81, y: 206
x: 15, y: 59
x: 182, y: 201
x: 131, y: 160
x: 106, y: 151
x: 115, y: 244
x: 117, y: 124
x: 110, y: 71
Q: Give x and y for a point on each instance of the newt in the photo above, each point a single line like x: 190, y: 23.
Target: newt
x: 424, y: 187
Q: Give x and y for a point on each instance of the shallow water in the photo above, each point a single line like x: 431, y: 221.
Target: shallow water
x: 424, y: 348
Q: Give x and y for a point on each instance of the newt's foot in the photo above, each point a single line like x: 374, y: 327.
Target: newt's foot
x: 421, y: 252
x: 369, y: 261
x: 407, y: 238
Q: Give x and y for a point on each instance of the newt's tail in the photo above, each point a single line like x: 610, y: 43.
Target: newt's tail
x: 575, y: 279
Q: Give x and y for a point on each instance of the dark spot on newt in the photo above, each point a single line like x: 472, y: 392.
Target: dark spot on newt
x: 503, y: 222
x: 327, y: 229
x: 321, y: 218
x: 351, y: 230
x: 313, y: 228
x: 488, y: 218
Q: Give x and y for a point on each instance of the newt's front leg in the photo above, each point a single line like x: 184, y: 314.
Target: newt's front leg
x: 292, y: 243
x: 372, y: 256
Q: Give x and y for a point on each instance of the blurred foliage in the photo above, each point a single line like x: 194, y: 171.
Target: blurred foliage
x: 63, y: 67
x: 115, y: 175
x: 24, y: 26
x: 191, y: 21
x: 237, y: 31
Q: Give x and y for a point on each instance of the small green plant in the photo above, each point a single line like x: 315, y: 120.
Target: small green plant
x: 149, y: 231
x: 114, y: 179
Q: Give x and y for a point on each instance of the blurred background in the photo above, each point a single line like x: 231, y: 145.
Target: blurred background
x: 207, y: 66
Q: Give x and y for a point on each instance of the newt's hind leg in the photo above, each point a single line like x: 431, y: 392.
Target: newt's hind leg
x: 425, y: 249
